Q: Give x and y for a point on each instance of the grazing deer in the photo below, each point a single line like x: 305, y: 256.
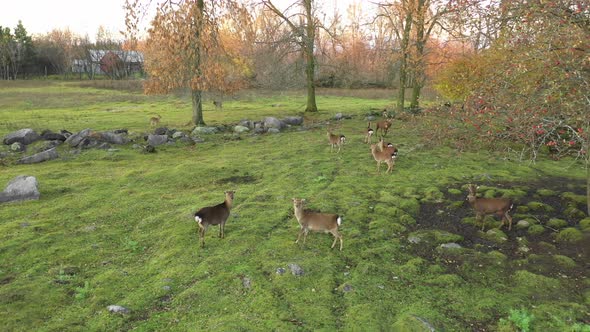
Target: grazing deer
x: 155, y: 120
x: 369, y: 134
x: 214, y: 215
x: 382, y: 146
x: 317, y: 222
x: 336, y: 140
x: 485, y: 206
x: 388, y: 156
x: 384, y: 125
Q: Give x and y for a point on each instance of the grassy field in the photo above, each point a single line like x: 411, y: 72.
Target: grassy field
x: 115, y: 227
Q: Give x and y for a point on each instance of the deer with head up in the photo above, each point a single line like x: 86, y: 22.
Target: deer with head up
x: 317, y: 222
x: 387, y: 155
x: 384, y: 125
x: 155, y: 120
x: 336, y: 140
x: 486, y: 206
x: 214, y: 215
x: 369, y: 134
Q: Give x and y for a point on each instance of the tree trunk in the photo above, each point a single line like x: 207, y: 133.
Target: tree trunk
x: 404, y: 62
x: 310, y: 66
x: 197, y: 108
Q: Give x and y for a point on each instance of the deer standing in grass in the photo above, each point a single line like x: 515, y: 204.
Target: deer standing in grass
x: 369, y: 135
x: 336, y: 140
x: 214, y: 215
x: 155, y: 120
x: 317, y: 222
x: 485, y: 206
x: 386, y: 155
x: 384, y: 125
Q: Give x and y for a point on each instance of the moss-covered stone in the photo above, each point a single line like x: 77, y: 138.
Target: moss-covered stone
x: 433, y: 195
x: 490, y: 193
x: 574, y: 213
x: 456, y: 205
x: 539, y: 206
x: 514, y: 194
x: 535, y: 285
x: 557, y: 223
x: 435, y: 236
x: 569, y: 235
x: 547, y: 247
x: 411, y: 323
x: 536, y: 230
x: 585, y: 224
x: 564, y: 261
x: 494, y: 235
x: 446, y: 280
x: 522, y: 209
x: 454, y: 191
x: 546, y: 192
x: 411, y: 206
x: 382, y: 228
x: 574, y: 198
x: 407, y: 220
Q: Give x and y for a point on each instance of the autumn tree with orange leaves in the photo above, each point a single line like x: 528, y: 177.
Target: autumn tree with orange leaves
x: 191, y: 44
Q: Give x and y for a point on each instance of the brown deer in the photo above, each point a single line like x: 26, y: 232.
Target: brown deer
x: 485, y: 206
x: 214, y: 215
x: 388, y: 156
x: 155, y: 120
x: 384, y: 125
x: 317, y: 222
x: 369, y: 135
x: 336, y: 140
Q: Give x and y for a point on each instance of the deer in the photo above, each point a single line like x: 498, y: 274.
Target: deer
x: 486, y: 206
x: 387, y: 155
x: 382, y: 146
x: 214, y: 215
x: 336, y: 140
x: 369, y: 134
x: 384, y: 125
x: 317, y: 222
x: 155, y: 120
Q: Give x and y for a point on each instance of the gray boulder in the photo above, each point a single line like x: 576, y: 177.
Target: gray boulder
x: 161, y: 131
x: 247, y: 123
x: 40, y: 157
x: 155, y: 140
x: 296, y: 270
x: 338, y: 116
x: 273, y: 131
x: 204, y: 130
x: 117, y: 309
x: 272, y: 122
x: 75, y: 139
x: 50, y: 136
x: 113, y: 138
x: 25, y: 136
x: 178, y: 134
x: 21, y: 188
x: 241, y: 129
x: 293, y: 120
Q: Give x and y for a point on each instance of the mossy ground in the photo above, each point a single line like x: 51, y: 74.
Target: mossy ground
x: 116, y: 227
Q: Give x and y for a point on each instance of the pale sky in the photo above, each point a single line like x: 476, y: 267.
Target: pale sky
x: 85, y: 16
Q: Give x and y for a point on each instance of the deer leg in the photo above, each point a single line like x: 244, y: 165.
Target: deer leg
x: 478, y: 217
x: 299, y: 236
x: 202, y: 235
x: 305, y: 235
x: 509, y: 220
x: 222, y: 230
x: 378, y: 166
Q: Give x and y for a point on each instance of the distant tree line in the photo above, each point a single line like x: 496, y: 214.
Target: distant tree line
x: 66, y: 54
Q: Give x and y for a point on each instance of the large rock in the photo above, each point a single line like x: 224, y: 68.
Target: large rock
x: 48, y: 135
x: 241, y: 129
x: 155, y: 140
x: 25, y: 136
x: 75, y: 139
x: 204, y: 130
x: 272, y: 122
x: 40, y: 157
x: 293, y: 120
x: 21, y: 188
x: 113, y: 138
x: 18, y: 147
